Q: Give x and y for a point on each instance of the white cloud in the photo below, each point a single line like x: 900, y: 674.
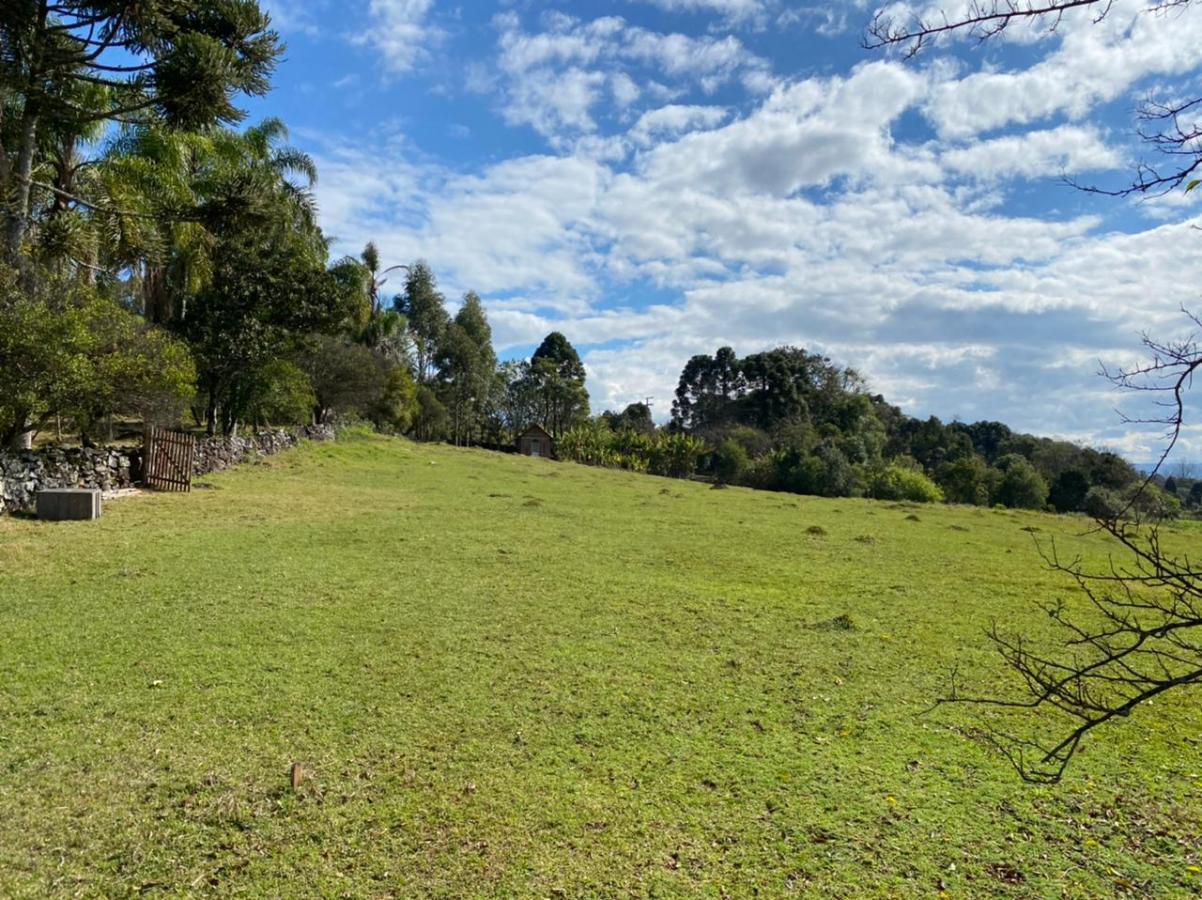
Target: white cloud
x: 401, y: 32
x: 674, y: 120
x: 291, y: 16
x: 803, y: 135
x: 731, y: 10
x: 1067, y: 149
x: 1093, y: 63
x: 554, y: 79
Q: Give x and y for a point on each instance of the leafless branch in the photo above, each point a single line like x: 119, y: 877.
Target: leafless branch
x: 1136, y: 632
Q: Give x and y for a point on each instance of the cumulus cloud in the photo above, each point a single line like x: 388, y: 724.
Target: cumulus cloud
x: 675, y: 119
x: 730, y: 10
x: 400, y: 31
x: 1092, y: 64
x: 553, y: 79
x: 1067, y: 149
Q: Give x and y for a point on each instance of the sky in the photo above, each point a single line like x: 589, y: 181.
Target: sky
x: 660, y: 178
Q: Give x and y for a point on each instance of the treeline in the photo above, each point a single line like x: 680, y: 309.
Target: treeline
x: 159, y: 265
x: 791, y: 420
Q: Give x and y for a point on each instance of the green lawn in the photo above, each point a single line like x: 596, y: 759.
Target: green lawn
x: 509, y: 677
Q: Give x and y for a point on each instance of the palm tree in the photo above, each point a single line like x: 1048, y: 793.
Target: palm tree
x: 185, y: 185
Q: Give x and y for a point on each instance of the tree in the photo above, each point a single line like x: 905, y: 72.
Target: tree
x: 968, y: 479
x: 430, y: 419
x: 1195, y: 494
x: 791, y: 383
x: 424, y: 308
x: 557, y: 379
x: 635, y: 417
x: 347, y: 378
x: 1021, y: 486
x: 396, y: 408
x: 1170, y: 485
x: 83, y: 356
x: 517, y: 406
x: 1068, y: 491
x: 279, y: 393
x: 267, y: 292
x: 191, y: 190
x: 179, y: 63
x: 1170, y: 126
x: 467, y: 365
x: 1140, y: 634
x: 708, y: 389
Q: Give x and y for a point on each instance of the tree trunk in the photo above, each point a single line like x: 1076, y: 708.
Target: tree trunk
x: 22, y: 175
x: 21, y: 441
x: 211, y: 413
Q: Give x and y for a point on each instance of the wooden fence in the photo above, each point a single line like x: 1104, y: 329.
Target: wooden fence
x: 167, y: 460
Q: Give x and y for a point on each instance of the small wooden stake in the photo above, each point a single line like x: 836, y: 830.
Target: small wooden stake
x: 297, y: 775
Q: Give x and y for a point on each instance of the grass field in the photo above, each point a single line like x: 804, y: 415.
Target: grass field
x: 512, y: 677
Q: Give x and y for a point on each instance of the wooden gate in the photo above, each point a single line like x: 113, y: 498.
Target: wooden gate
x: 167, y: 460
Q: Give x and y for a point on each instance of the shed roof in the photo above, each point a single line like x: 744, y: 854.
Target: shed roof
x: 537, y: 429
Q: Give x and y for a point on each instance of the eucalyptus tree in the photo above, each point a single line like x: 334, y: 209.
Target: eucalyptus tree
x: 467, y: 365
x: 424, y: 308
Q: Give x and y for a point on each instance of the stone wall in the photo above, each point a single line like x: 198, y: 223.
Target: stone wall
x: 23, y: 474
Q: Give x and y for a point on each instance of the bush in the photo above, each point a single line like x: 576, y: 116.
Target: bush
x: 633, y: 450
x: 825, y: 472
x: 900, y: 482
x: 676, y: 455
x: 1102, y: 502
x: 589, y: 443
x: 1152, y: 502
x: 1145, y: 501
x: 85, y: 357
x: 752, y: 440
x: 731, y: 462
x: 396, y: 408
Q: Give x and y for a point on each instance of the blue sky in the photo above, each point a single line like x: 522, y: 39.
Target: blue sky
x: 658, y: 178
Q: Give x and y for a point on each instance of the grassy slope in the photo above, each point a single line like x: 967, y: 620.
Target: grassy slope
x: 512, y: 676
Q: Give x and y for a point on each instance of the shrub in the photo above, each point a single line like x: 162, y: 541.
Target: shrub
x: 825, y: 472
x: 85, y: 357
x: 589, y: 443
x: 1102, y: 502
x: 676, y: 455
x: 900, y: 482
x: 396, y: 408
x: 1139, y: 500
x: 731, y: 462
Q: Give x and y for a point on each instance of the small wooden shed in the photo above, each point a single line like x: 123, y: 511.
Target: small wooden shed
x: 536, y: 441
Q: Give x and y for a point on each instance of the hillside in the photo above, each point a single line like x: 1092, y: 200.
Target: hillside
x: 509, y: 676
